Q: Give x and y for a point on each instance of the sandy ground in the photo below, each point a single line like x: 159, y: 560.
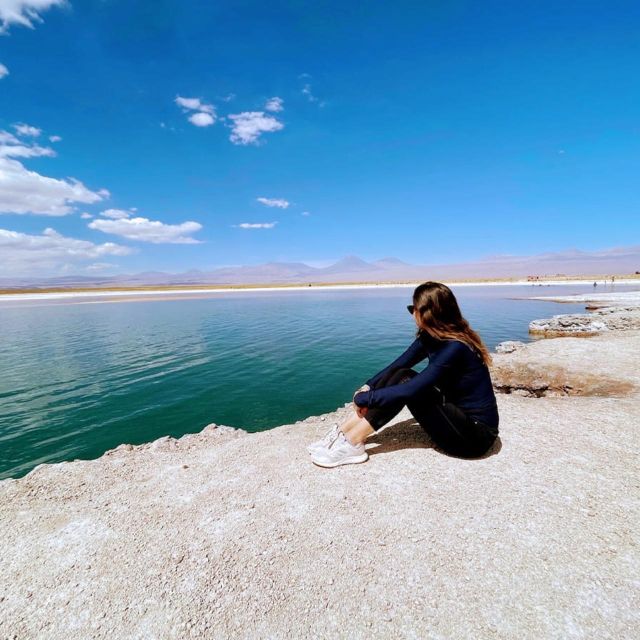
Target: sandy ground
x: 226, y: 534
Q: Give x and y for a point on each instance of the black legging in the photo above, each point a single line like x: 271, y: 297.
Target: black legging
x: 448, y: 426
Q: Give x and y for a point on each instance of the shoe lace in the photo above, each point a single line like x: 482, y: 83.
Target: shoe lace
x: 331, y: 435
x: 335, y: 438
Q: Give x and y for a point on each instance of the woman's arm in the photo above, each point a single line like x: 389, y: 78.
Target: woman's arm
x: 444, y: 363
x: 414, y: 354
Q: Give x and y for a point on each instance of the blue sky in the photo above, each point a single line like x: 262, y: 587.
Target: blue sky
x: 430, y: 131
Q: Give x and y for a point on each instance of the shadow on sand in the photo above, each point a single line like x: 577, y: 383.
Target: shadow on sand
x: 408, y: 434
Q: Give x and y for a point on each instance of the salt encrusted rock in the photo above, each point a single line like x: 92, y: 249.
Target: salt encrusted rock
x: 564, y: 368
x: 509, y: 346
x: 123, y: 448
x: 165, y: 442
x: 587, y: 324
x: 221, y: 433
x: 621, y: 318
x: 218, y: 430
x: 568, y: 325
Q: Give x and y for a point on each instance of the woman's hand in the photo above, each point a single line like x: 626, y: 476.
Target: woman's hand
x: 361, y: 412
x: 364, y: 387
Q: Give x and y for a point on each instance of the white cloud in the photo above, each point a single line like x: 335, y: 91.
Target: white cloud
x: 274, y: 104
x: 256, y: 225
x: 51, y: 251
x: 248, y: 126
x: 305, y: 213
x: 86, y: 216
x: 201, y: 119
x: 280, y: 203
x: 24, y: 191
x: 194, y: 104
x: 205, y: 114
x: 18, y: 150
x: 146, y: 230
x: 115, y: 214
x: 27, y: 130
x: 54, y: 138
x: 24, y: 12
x: 3, y: 71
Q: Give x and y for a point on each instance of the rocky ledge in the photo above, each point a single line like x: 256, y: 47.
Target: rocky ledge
x: 591, y: 324
x: 611, y: 311
x: 226, y: 534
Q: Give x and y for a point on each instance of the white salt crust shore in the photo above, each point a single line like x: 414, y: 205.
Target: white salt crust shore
x: 224, y: 534
x: 316, y: 287
x: 618, y: 298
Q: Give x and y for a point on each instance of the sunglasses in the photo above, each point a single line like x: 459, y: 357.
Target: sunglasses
x: 411, y: 308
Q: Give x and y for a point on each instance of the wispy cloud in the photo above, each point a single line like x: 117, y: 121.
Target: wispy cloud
x: 3, y: 71
x: 145, y: 230
x: 205, y: 114
x: 25, y: 253
x: 27, y: 130
x: 274, y: 104
x: 194, y: 104
x: 23, y: 191
x: 305, y: 213
x: 24, y: 13
x: 307, y: 91
x: 55, y: 138
x: 86, y: 216
x: 248, y: 126
x: 256, y: 225
x: 12, y: 147
x: 280, y: 203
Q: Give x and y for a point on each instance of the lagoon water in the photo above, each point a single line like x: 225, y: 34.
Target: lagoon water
x: 79, y: 378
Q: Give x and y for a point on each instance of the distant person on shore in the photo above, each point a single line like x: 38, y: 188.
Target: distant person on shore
x: 452, y: 398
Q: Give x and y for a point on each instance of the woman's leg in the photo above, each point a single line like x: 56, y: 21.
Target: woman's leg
x: 357, y: 429
x: 451, y: 428
x: 350, y: 423
x: 359, y: 432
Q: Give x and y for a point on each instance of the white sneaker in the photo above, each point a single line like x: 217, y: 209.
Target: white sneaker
x: 326, y: 440
x: 340, y: 451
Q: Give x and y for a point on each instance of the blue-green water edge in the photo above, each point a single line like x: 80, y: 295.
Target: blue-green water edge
x: 79, y: 379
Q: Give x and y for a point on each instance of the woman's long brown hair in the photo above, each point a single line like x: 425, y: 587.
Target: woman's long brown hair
x: 440, y: 317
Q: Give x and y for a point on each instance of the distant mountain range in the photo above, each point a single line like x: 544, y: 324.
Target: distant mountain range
x: 354, y: 269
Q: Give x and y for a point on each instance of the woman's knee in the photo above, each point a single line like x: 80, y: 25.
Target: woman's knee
x: 402, y: 375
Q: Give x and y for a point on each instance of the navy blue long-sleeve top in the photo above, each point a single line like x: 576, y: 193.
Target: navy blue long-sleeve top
x: 454, y: 367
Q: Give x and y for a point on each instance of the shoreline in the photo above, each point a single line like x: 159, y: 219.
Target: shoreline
x: 604, y: 298
x: 167, y: 291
